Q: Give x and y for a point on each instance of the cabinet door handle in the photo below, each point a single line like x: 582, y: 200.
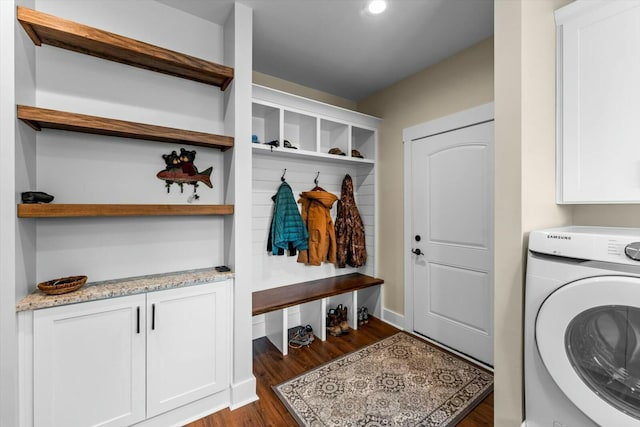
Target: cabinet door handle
x: 153, y: 317
x: 138, y: 320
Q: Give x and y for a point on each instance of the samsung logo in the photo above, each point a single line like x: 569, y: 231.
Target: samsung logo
x: 558, y: 236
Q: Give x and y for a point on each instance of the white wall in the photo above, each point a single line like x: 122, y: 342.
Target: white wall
x: 525, y: 178
x: 271, y: 271
x: 82, y: 168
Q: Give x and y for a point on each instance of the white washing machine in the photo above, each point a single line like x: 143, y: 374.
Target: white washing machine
x: 582, y: 328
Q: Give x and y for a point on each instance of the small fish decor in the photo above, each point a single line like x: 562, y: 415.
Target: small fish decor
x: 181, y: 170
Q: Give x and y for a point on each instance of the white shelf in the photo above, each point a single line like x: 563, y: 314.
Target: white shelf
x: 280, y: 152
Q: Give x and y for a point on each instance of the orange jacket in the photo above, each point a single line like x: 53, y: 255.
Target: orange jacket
x: 316, y: 215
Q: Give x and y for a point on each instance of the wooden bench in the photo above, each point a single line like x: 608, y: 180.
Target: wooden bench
x: 313, y: 299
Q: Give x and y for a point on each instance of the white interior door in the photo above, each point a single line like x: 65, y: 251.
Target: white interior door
x: 452, y: 238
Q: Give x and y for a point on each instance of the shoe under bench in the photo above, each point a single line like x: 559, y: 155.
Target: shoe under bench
x: 313, y: 299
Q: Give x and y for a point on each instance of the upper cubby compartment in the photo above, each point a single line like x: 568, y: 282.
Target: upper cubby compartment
x: 300, y: 131
x: 65, y: 34
x: 334, y: 138
x: 265, y: 123
x: 364, y: 142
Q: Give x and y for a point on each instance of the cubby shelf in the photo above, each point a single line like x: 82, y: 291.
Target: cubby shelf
x: 264, y: 149
x: 39, y: 118
x: 110, y: 210
x: 65, y: 34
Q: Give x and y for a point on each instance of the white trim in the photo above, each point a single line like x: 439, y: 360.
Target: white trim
x: 313, y: 107
x: 243, y: 393
x: 472, y: 116
x: 191, y: 412
x: 406, y: 247
x: 465, y: 118
x: 577, y: 9
x: 393, y: 318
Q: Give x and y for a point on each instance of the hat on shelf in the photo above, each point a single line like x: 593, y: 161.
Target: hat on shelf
x: 254, y: 139
x: 287, y: 144
x: 337, y: 152
x: 356, y: 153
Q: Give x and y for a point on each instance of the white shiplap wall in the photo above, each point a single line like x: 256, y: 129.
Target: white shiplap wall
x: 272, y: 271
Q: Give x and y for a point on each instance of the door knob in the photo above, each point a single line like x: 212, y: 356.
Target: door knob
x: 417, y: 251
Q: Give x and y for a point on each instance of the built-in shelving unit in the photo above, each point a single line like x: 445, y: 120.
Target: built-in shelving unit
x: 110, y: 210
x: 39, y: 118
x: 312, y: 129
x: 51, y: 30
x: 65, y: 34
x: 288, y: 293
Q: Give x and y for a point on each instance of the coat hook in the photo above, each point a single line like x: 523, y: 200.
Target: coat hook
x: 283, y: 174
x: 316, y: 178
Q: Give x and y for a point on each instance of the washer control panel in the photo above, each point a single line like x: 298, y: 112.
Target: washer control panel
x: 607, y: 244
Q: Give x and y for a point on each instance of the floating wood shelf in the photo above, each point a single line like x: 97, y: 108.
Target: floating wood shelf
x: 299, y: 293
x: 105, y: 210
x: 39, y: 118
x: 54, y: 31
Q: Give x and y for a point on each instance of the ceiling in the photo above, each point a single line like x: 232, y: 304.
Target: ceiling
x: 336, y: 47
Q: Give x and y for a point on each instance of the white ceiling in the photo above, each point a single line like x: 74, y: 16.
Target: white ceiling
x: 336, y: 47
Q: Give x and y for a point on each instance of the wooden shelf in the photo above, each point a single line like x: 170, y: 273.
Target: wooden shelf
x: 54, y: 31
x: 39, y: 118
x: 108, y: 210
x: 299, y: 293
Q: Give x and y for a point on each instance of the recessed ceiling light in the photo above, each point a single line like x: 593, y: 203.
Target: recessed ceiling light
x: 377, y: 6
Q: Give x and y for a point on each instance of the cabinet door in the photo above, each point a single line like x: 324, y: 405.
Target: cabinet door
x: 599, y: 97
x: 187, y: 345
x: 89, y: 363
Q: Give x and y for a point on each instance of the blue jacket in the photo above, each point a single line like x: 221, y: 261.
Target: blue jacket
x: 287, y: 225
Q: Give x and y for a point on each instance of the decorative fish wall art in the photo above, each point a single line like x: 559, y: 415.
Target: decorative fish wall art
x: 181, y: 170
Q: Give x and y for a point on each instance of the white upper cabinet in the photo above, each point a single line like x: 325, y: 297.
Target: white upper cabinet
x: 598, y: 101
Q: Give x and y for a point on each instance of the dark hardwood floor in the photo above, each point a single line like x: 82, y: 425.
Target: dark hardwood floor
x: 271, y: 368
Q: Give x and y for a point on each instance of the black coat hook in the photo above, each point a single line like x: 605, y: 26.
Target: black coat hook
x: 315, y: 181
x: 283, y: 174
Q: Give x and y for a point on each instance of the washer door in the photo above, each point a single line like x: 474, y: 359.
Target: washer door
x: 588, y: 336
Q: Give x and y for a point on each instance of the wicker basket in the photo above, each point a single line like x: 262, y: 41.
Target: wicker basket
x: 62, y: 285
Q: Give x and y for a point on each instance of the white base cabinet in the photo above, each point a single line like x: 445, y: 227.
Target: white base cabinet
x: 89, y: 364
x: 187, y: 346
x: 125, y: 360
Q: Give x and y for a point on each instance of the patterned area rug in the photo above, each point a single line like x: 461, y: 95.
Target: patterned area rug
x: 399, y: 381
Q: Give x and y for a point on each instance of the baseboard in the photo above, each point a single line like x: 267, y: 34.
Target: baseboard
x: 393, y: 318
x: 243, y: 393
x: 189, y: 412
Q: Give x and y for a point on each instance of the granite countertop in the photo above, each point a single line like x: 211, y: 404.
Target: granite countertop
x: 123, y: 287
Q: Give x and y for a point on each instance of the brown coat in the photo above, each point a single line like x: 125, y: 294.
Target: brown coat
x: 316, y: 214
x: 352, y: 248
